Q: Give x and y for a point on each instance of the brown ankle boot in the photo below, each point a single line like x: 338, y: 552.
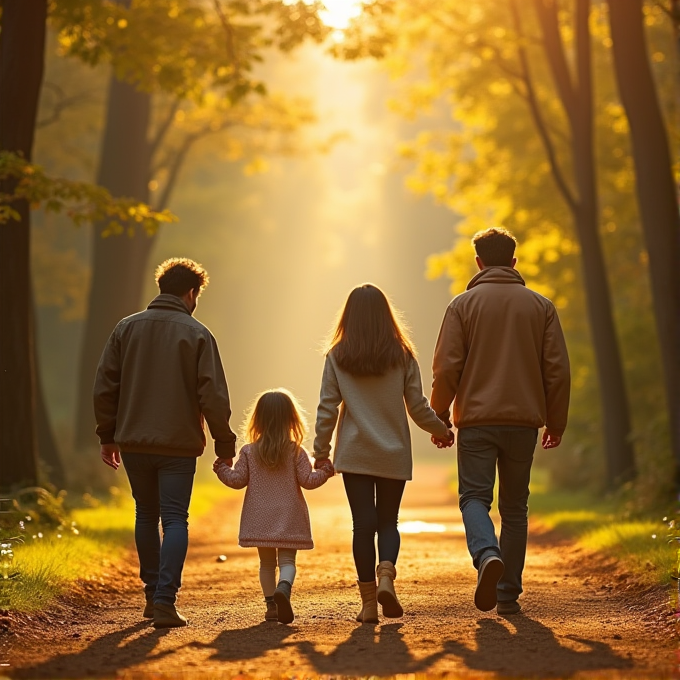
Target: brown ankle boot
x: 386, y: 573
x: 369, y: 605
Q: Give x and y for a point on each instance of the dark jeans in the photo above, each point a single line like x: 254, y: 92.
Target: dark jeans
x: 161, y: 487
x: 480, y: 450
x: 374, y: 502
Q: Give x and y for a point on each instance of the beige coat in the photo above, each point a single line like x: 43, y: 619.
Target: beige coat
x: 501, y: 357
x: 373, y: 437
x: 274, y: 511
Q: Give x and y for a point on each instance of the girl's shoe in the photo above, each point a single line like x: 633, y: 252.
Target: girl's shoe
x: 369, y: 605
x: 282, y: 600
x: 387, y: 572
x: 272, y: 611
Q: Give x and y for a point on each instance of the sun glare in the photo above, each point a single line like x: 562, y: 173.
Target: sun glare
x: 337, y: 14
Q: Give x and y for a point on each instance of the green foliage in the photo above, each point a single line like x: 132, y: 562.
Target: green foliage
x: 81, y: 201
x: 184, y: 47
x: 490, y: 166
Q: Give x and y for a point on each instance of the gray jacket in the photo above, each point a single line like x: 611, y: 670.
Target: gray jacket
x: 159, y: 377
x: 373, y: 436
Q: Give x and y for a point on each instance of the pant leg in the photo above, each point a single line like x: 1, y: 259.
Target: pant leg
x: 287, y: 564
x: 267, y: 570
x: 388, y: 493
x: 477, y: 454
x: 514, y: 471
x: 175, y: 482
x: 143, y: 477
x: 360, y: 491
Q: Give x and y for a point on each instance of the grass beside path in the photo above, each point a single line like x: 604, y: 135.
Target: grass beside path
x: 644, y: 546
x: 92, y: 542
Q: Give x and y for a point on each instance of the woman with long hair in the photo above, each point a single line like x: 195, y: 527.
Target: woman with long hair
x: 370, y: 380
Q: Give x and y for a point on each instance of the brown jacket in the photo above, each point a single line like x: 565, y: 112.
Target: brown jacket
x: 501, y: 356
x: 159, y: 376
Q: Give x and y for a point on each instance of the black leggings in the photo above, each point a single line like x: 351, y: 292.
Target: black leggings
x: 374, y: 502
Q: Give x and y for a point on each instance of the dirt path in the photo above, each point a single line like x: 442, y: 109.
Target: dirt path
x: 578, y: 619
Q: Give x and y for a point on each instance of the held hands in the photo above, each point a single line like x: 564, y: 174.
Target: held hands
x: 324, y: 464
x: 110, y: 454
x: 219, y: 462
x: 549, y: 440
x: 444, y: 443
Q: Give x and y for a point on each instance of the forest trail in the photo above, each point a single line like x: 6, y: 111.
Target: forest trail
x: 579, y: 619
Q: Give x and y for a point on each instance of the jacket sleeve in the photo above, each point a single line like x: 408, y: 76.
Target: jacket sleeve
x: 307, y: 477
x: 447, y: 366
x: 556, y: 374
x: 327, y: 411
x: 106, y: 391
x: 213, y: 397
x: 417, y: 405
x: 236, y: 477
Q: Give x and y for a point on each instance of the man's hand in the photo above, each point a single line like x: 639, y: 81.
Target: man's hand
x: 229, y: 462
x: 549, y: 440
x: 444, y: 443
x: 110, y: 454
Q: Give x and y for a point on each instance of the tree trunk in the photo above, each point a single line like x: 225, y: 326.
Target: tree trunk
x: 619, y: 453
x: 656, y: 193
x: 22, y: 55
x: 119, y: 263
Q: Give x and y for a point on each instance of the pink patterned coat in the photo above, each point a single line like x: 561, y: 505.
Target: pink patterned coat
x: 274, y: 511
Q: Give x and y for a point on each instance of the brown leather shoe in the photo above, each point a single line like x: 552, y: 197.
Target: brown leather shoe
x: 490, y: 572
x: 166, y: 616
x: 508, y: 608
x: 148, y: 607
x: 272, y: 613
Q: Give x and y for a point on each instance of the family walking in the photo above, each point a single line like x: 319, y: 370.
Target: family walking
x: 500, y: 360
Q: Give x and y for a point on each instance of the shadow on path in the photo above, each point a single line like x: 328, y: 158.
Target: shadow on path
x: 243, y: 644
x: 369, y: 650
x: 532, y: 649
x: 104, y: 657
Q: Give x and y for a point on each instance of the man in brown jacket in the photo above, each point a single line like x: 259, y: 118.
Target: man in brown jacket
x: 159, y: 377
x: 502, y: 360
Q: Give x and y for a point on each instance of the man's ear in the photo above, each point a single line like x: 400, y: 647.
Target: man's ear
x: 514, y: 262
x: 479, y: 262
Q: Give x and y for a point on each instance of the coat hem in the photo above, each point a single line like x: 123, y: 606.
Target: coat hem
x: 291, y: 545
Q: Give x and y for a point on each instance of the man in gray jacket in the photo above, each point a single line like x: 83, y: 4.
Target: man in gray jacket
x: 159, y: 377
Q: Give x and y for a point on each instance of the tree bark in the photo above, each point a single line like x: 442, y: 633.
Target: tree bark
x: 119, y: 263
x: 577, y: 101
x: 22, y: 55
x: 656, y: 193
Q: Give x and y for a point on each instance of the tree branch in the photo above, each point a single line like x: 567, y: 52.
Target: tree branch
x: 536, y: 112
x: 163, y: 128
x: 553, y: 45
x: 62, y: 103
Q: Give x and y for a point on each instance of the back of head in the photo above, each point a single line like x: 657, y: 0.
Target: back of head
x: 495, y: 247
x: 276, y: 425
x: 369, y: 338
x: 179, y: 275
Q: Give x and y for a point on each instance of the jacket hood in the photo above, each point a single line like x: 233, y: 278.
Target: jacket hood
x: 167, y: 301
x: 495, y: 275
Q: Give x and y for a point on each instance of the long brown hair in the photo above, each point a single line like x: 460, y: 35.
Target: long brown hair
x: 369, y: 336
x: 276, y: 425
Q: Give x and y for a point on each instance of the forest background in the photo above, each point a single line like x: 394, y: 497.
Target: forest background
x: 371, y: 153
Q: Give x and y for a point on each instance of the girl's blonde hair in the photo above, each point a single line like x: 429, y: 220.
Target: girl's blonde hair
x: 274, y: 422
x: 369, y: 336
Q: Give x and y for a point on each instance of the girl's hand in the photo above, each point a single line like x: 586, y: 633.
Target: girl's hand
x: 324, y: 465
x: 222, y: 461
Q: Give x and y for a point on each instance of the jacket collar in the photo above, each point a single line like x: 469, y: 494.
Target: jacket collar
x: 496, y: 275
x: 166, y: 301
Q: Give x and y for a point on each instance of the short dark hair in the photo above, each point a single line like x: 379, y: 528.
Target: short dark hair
x: 495, y: 247
x: 178, y: 275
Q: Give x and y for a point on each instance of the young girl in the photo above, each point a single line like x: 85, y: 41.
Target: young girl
x: 370, y: 372
x: 275, y: 520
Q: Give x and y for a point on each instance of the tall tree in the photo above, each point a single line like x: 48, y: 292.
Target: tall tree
x: 22, y: 51
x: 657, y: 192
x: 190, y: 54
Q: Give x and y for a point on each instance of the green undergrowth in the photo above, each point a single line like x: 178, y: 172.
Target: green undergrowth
x: 87, y: 547
x: 644, y: 544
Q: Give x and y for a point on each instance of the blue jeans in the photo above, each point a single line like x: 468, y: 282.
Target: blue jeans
x: 480, y: 450
x: 161, y: 487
